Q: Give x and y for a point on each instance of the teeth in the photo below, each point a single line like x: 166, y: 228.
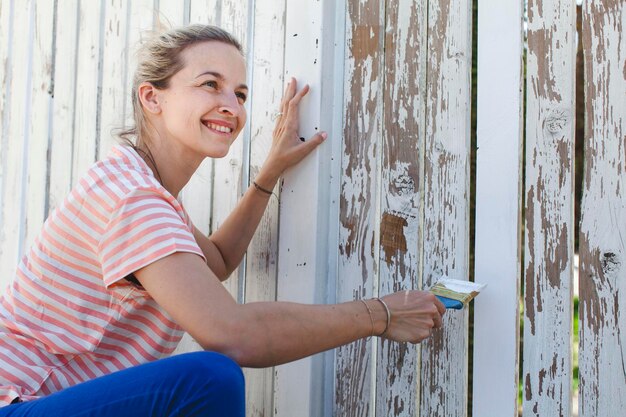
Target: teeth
x: 219, y: 128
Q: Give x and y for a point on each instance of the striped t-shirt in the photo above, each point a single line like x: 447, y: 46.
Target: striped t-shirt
x: 70, y: 315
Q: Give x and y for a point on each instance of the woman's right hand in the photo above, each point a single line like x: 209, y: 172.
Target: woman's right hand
x: 414, y: 315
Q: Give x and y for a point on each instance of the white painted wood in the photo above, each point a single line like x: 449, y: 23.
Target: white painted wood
x: 443, y: 390
x: 87, y: 83
x: 197, y: 194
x: 402, y: 199
x: 38, y: 121
x: 114, y: 85
x: 6, y: 56
x: 62, y: 131
x: 603, y: 226
x: 205, y: 11
x: 139, y: 24
x: 498, y: 202
x: 304, y: 199
x: 266, y: 67
x: 359, y: 200
x: 20, y: 65
x: 229, y: 171
x: 171, y: 13
x: 549, y: 251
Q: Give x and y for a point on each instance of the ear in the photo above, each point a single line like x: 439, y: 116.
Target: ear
x: 149, y: 97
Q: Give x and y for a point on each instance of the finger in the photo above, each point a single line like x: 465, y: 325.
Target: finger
x: 440, y: 306
x: 293, y: 109
x: 308, y: 146
x: 289, y: 94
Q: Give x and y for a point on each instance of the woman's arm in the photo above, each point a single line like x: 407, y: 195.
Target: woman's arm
x: 225, y: 248
x: 270, y: 333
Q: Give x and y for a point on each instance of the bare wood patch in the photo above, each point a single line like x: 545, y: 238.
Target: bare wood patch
x: 359, y: 187
x: 397, y: 376
x: 443, y: 390
x: 602, y: 357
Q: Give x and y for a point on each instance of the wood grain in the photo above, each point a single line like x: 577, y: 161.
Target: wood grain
x: 358, y: 229
x: 547, y: 376
x: 443, y: 390
x: 266, y: 66
x: 15, y: 128
x: 401, y: 219
x: 602, y: 355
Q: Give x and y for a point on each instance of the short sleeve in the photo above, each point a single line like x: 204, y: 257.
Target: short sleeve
x: 144, y: 227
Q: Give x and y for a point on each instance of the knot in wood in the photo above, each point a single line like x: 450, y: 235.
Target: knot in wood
x: 556, y: 120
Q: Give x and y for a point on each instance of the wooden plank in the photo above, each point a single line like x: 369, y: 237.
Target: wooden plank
x: 603, y: 226
x: 266, y: 67
x: 358, y: 230
x: 302, y: 263
x: 140, y: 21
x: 38, y: 122
x: 6, y: 59
x: 443, y: 390
x: 63, y: 109
x: 171, y: 13
x: 197, y: 194
x: 402, y: 193
x: 87, y: 88
x: 228, y: 177
x: 205, y: 11
x: 547, y: 373
x: 13, y: 216
x: 498, y: 202
x: 114, y: 83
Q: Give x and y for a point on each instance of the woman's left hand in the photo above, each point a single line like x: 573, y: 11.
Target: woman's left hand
x: 287, y: 147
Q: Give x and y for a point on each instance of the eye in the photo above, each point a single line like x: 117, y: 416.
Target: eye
x: 210, y: 83
x: 241, y: 96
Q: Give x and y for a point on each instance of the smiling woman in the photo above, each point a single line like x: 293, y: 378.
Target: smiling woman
x: 119, y: 271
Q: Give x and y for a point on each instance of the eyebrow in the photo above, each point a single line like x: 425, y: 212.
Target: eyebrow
x: 219, y: 77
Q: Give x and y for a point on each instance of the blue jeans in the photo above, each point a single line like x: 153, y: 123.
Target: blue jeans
x: 192, y: 384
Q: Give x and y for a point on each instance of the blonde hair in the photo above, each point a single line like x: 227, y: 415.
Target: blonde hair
x: 159, y: 57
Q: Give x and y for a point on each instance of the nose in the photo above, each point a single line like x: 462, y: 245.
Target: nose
x: 230, y: 105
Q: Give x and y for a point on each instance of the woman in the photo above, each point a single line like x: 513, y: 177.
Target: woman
x: 119, y: 272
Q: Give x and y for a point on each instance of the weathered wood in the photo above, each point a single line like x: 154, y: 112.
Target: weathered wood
x: 197, y: 194
x: 397, y: 375
x: 171, y: 13
x: 498, y: 208
x: 547, y: 370
x: 358, y: 229
x: 141, y: 19
x: 114, y: 85
x: 266, y: 66
x: 303, y: 244
x: 38, y: 120
x: 87, y: 87
x: 15, y: 129
x: 602, y: 354
x: 62, y: 133
x: 443, y: 390
x: 228, y: 177
x: 205, y: 11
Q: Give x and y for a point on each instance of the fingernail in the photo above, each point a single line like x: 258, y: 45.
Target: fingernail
x: 324, y: 135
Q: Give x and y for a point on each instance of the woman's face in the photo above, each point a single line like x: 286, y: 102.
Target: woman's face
x: 203, y: 108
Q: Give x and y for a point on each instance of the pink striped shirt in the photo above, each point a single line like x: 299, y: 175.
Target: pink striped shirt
x: 69, y: 315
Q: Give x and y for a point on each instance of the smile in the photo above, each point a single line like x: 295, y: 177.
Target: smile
x: 219, y: 128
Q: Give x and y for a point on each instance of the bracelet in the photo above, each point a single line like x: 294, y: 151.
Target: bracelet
x: 388, y: 315
x: 369, y: 311
x: 263, y: 190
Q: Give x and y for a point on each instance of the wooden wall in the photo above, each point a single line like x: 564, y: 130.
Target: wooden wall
x: 384, y: 204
